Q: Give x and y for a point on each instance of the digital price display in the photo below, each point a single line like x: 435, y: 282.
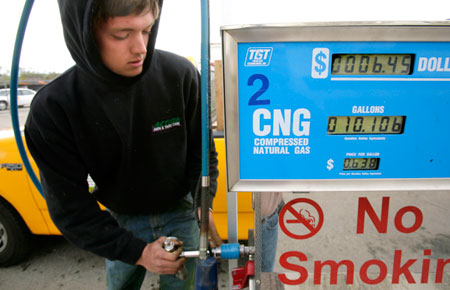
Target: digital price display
x: 337, y: 106
x: 372, y: 64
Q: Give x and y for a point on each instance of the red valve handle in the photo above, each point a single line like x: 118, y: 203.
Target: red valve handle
x: 241, y: 275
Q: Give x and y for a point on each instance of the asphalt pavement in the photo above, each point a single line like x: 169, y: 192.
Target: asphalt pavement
x: 5, y: 118
x: 55, y: 264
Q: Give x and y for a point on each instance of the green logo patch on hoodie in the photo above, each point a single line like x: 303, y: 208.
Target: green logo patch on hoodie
x: 165, y: 125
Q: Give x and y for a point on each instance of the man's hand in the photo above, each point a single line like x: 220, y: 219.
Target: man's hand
x: 157, y: 260
x: 213, y: 235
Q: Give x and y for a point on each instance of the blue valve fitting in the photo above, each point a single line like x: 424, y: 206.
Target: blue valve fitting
x: 230, y: 251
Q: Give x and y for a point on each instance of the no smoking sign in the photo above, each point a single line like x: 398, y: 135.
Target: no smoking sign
x: 301, y: 218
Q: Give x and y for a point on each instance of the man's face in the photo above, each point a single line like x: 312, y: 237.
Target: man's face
x: 123, y: 40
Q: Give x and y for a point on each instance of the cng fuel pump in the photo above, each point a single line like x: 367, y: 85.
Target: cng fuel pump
x: 337, y: 107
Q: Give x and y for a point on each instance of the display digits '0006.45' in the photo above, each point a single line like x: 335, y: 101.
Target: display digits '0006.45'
x: 372, y: 64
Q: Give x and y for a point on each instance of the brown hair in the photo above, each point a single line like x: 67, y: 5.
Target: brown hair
x: 105, y: 9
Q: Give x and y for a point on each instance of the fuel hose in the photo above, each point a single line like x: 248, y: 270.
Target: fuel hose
x: 206, y: 266
x: 13, y: 93
x: 205, y: 101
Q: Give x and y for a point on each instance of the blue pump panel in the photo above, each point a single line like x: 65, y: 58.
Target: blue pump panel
x: 345, y: 107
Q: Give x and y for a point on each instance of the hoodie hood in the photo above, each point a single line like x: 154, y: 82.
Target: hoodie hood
x: 76, y: 17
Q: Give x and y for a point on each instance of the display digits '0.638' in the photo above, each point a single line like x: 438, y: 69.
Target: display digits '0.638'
x: 372, y: 64
x: 365, y: 125
x: 361, y: 163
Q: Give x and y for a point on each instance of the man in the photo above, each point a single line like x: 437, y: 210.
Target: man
x: 129, y: 116
x: 271, y: 205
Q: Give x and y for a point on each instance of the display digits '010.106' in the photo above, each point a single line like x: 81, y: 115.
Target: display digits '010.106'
x: 365, y: 125
x: 372, y: 64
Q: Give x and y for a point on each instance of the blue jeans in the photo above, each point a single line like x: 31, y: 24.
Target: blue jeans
x: 179, y: 222
x: 269, y: 233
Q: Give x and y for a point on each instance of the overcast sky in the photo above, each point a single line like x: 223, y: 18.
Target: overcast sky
x: 44, y: 49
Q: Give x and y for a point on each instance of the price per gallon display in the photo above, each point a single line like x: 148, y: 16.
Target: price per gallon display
x: 361, y: 163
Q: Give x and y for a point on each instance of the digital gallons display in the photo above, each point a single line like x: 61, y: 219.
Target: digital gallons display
x: 352, y: 125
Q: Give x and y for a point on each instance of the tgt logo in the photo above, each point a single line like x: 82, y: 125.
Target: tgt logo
x: 258, y: 56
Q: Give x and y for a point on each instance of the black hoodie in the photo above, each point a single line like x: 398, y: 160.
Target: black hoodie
x: 138, y: 138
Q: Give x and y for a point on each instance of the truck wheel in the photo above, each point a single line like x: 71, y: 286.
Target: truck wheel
x: 15, y: 238
x: 3, y: 106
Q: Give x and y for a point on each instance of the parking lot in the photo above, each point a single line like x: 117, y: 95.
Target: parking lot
x: 5, y: 118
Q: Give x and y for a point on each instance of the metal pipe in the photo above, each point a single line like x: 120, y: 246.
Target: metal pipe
x: 239, y: 251
x: 190, y: 254
x: 204, y: 224
x: 251, y: 283
x: 252, y: 279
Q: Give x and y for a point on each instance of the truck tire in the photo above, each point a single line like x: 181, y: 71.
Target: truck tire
x: 15, y: 238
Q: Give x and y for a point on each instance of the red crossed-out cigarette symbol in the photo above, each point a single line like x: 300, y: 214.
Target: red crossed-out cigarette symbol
x: 304, y: 217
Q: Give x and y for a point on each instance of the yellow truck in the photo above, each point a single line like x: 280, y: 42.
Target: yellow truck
x: 23, y: 211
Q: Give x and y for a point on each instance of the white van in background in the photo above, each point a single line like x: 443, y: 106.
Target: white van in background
x: 24, y: 98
